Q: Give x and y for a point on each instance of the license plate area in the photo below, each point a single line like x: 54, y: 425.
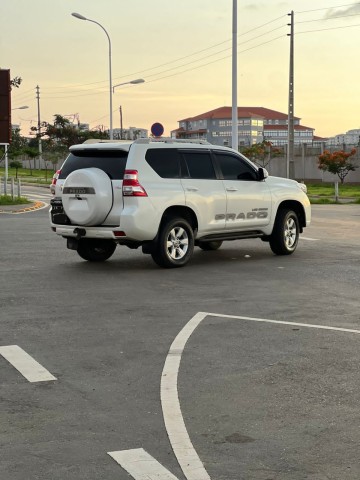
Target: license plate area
x: 58, y: 216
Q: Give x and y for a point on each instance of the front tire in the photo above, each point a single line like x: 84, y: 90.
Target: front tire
x: 285, y: 235
x: 175, y: 244
x: 95, y: 250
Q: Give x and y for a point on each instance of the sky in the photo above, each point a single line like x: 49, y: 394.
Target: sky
x: 183, y: 51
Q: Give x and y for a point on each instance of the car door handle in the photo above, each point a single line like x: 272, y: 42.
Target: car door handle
x: 192, y: 189
x: 231, y: 189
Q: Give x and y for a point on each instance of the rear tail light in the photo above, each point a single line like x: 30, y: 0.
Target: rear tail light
x: 131, y: 185
x: 55, y: 177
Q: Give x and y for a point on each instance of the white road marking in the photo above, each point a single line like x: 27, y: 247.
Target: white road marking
x: 25, y: 364
x: 310, y: 239
x: 140, y: 465
x: 35, y: 195
x: 185, y: 453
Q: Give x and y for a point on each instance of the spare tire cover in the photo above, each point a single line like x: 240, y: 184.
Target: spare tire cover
x: 87, y: 196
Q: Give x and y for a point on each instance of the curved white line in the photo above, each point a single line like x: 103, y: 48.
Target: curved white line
x: 184, y: 450
x: 185, y: 453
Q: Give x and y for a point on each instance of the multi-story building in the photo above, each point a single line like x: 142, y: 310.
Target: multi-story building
x: 131, y: 133
x: 216, y: 127
x: 351, y: 139
x: 255, y: 124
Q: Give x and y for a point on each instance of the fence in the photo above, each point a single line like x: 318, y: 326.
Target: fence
x: 8, y: 186
x: 304, y: 165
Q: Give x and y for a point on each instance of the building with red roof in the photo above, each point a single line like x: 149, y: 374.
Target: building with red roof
x: 255, y: 124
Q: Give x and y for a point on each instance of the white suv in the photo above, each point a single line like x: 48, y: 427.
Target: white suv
x: 168, y: 196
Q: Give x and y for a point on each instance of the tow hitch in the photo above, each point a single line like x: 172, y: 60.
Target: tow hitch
x: 79, y: 232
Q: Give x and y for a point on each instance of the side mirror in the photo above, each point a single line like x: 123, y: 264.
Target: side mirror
x: 262, y: 174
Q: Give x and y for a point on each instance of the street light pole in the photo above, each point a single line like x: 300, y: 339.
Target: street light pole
x: 81, y: 17
x: 235, y: 135
x: 134, y: 82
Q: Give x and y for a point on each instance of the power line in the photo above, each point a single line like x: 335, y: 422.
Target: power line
x: 214, y: 61
x: 96, y: 89
x: 324, y: 29
x: 180, y: 58
x: 330, y: 18
x: 178, y: 73
x: 329, y: 8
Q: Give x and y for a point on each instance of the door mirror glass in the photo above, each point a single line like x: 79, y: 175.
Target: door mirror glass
x: 262, y: 173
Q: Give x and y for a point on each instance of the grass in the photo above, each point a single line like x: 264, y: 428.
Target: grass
x: 8, y: 200
x: 29, y: 176
x: 328, y: 190
x: 324, y: 193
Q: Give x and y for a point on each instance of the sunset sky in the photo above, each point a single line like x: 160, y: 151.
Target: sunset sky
x: 182, y: 49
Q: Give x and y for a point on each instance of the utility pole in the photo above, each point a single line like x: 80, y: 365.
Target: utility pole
x: 39, y: 125
x: 290, y: 146
x: 121, y: 123
x: 235, y: 135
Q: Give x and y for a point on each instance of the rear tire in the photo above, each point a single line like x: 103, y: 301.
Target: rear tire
x: 175, y: 244
x: 210, y: 246
x: 285, y: 235
x: 95, y: 250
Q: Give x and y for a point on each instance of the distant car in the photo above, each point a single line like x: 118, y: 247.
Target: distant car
x: 53, y: 181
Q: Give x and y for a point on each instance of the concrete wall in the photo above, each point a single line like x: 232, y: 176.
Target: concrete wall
x: 306, y: 167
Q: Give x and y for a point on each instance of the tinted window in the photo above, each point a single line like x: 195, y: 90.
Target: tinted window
x: 235, y: 168
x: 198, y: 165
x: 112, y: 162
x: 165, y: 161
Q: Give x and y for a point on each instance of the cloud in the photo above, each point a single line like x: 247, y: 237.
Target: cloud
x: 353, y: 10
x: 263, y: 5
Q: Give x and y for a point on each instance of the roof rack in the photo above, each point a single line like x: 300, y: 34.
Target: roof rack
x: 171, y: 140
x: 98, y: 140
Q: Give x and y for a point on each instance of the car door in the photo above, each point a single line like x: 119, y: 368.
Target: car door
x: 204, y: 192
x: 248, y: 200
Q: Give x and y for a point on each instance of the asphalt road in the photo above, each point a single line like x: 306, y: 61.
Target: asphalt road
x: 260, y: 400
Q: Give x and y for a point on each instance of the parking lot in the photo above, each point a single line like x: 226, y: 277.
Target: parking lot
x: 263, y: 385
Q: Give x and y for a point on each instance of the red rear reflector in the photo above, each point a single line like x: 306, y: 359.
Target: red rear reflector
x: 118, y: 233
x: 131, y: 185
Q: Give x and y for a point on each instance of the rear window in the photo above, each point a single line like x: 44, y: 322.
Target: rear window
x: 199, y: 165
x: 112, y: 162
x: 165, y: 161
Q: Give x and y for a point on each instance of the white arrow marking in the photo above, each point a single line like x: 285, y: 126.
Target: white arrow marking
x: 25, y: 364
x: 141, y: 465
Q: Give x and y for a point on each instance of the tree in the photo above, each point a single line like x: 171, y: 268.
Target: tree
x: 17, y: 145
x: 337, y: 163
x: 16, y: 165
x: 61, y: 134
x: 262, y: 153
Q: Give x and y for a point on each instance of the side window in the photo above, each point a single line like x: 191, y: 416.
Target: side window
x: 165, y: 161
x: 235, y: 168
x: 198, y: 165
